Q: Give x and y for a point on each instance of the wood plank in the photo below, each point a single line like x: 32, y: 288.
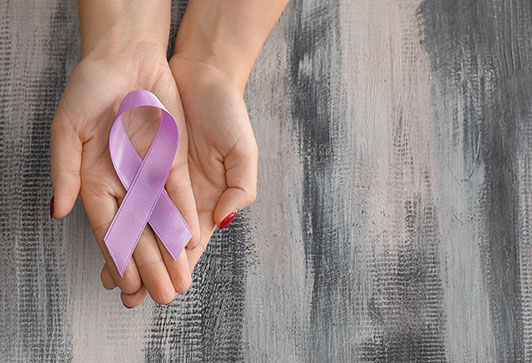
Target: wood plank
x: 393, y: 217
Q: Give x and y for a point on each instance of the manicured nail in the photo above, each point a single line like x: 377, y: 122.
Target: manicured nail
x: 227, y: 220
x: 52, y: 208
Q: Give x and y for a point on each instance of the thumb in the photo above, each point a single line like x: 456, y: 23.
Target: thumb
x: 65, y: 163
x: 241, y: 179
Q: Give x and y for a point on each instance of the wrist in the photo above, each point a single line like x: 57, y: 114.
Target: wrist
x: 216, y: 56
x: 109, y: 25
x: 195, y: 66
x: 226, y: 35
x: 194, y: 77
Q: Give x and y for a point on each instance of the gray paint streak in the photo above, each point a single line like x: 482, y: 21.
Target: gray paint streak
x: 205, y: 324
x: 480, y: 62
x: 393, y: 218
x: 33, y: 258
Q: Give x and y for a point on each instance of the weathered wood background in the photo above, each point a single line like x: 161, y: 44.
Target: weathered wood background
x: 395, y: 171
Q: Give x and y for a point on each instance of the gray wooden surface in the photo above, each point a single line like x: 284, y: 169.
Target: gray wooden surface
x: 394, y: 213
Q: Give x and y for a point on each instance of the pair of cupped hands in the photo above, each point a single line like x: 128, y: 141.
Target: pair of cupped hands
x: 213, y: 175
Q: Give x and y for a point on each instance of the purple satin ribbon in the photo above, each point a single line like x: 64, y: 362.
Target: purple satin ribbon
x: 146, y: 200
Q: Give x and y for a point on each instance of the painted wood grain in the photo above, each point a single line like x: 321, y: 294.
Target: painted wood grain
x: 481, y: 99
x: 393, y: 216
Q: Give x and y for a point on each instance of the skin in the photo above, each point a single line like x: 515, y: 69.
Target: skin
x: 214, y: 171
x: 216, y: 46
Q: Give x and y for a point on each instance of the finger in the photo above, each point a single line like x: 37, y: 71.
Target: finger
x: 207, y: 229
x: 107, y: 279
x: 241, y: 178
x: 65, y: 163
x: 207, y: 198
x: 133, y: 300
x: 101, y: 208
x: 178, y: 184
x: 152, y: 269
x: 179, y: 270
x: 180, y: 191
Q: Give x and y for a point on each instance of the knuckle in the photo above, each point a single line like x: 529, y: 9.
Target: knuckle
x: 129, y: 288
x: 251, y: 195
x: 100, y: 230
x: 129, y: 285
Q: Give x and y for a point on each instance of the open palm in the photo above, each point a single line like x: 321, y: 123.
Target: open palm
x: 222, y: 151
x: 81, y: 164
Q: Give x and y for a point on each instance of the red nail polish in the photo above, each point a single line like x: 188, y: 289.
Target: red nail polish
x: 52, y: 208
x: 227, y: 220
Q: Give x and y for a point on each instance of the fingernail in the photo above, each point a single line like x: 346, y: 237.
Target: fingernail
x: 129, y: 307
x: 52, y: 208
x: 227, y: 220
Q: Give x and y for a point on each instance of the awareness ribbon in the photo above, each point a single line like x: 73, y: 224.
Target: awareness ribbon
x: 146, y: 201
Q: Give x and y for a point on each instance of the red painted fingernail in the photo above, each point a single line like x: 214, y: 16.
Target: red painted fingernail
x: 227, y: 220
x: 52, y: 208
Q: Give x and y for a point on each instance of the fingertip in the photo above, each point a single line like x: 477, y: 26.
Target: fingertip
x: 61, y: 205
x: 195, y: 239
x: 180, y: 273
x: 163, y: 296
x: 228, y: 219
x: 152, y: 269
x: 66, y: 187
x: 178, y: 270
x: 107, y: 279
x: 183, y: 284
x: 208, y: 227
x: 162, y: 293
x: 230, y: 203
x: 65, y: 165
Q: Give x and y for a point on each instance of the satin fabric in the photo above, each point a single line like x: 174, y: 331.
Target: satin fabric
x: 146, y: 201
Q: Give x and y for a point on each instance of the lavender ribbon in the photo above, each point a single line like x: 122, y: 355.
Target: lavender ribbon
x: 146, y: 201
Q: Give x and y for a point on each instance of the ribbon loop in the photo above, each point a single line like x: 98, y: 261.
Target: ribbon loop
x: 146, y: 201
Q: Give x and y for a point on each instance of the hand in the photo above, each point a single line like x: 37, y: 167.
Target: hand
x: 80, y: 160
x: 222, y: 151
x: 216, y: 46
